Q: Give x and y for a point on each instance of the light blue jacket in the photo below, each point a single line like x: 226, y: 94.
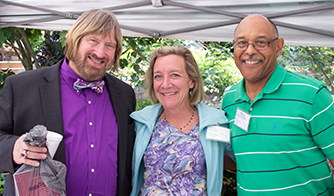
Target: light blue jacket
x: 145, y: 120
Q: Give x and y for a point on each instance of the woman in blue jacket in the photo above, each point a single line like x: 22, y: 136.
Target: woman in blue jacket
x: 172, y: 155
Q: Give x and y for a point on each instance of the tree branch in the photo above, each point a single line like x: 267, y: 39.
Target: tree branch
x: 26, y: 43
x: 133, y: 48
x: 25, y: 57
x: 15, y: 50
x: 323, y: 71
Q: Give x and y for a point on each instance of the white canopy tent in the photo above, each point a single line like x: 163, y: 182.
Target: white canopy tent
x: 300, y: 22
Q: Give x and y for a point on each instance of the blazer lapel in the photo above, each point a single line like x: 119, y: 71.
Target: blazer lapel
x: 51, y: 102
x: 116, y: 97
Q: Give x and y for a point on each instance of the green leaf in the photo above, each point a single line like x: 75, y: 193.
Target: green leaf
x: 2, y: 37
x: 329, y: 52
x: 139, y: 60
x: 208, y: 80
x: 286, y: 52
x: 122, y: 63
x: 136, y: 67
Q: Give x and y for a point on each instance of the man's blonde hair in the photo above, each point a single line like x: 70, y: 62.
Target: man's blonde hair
x: 94, y: 21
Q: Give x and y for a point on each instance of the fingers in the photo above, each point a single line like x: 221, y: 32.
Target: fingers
x: 19, y: 146
x: 31, y: 152
x: 29, y: 159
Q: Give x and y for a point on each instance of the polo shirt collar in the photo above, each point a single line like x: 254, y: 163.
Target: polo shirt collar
x: 274, y: 82
x: 240, y: 93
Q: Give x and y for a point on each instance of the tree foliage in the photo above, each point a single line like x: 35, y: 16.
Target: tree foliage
x: 34, y: 47
x: 2, y: 183
x: 51, y: 50
x: 317, y: 62
x: 217, y: 67
x: 21, y: 40
x: 3, y: 75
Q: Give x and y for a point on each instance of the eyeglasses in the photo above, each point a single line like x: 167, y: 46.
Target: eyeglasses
x: 258, y: 45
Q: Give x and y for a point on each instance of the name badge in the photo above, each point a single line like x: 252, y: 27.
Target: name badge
x: 218, y: 133
x: 242, y: 119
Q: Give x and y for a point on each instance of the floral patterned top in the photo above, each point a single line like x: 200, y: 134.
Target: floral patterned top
x: 174, y: 162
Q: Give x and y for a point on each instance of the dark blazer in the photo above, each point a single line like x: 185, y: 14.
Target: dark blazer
x: 33, y: 97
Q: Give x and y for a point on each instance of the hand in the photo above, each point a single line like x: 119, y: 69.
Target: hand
x: 33, y: 152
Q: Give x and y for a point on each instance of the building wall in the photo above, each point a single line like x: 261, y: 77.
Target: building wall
x: 9, y: 60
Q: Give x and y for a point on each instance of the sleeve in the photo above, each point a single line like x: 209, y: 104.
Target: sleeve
x: 229, y: 151
x: 7, y: 139
x: 228, y: 146
x: 322, y: 122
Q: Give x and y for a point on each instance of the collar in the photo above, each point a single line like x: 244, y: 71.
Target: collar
x: 68, y: 74
x: 208, y: 116
x: 274, y: 82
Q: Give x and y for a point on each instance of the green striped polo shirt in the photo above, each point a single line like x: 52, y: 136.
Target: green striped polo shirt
x: 290, y: 134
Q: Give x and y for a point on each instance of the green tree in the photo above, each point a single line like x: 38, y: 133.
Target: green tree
x: 34, y: 47
x: 21, y: 40
x: 218, y: 71
x: 3, y: 74
x: 51, y: 49
x: 317, y: 62
x: 2, y: 183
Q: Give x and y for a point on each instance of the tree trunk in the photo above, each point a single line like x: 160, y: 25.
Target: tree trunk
x: 25, y: 51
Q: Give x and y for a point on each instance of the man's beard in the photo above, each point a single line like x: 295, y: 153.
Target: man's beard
x: 84, y: 68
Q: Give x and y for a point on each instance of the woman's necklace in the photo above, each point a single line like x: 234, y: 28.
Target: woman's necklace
x: 191, y: 118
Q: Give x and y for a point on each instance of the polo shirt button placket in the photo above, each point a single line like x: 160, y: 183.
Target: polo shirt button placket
x: 250, y: 109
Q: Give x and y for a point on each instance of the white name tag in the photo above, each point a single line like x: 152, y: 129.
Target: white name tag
x: 242, y: 119
x: 218, y: 133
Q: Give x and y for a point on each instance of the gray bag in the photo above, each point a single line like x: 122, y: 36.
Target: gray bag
x: 48, y: 178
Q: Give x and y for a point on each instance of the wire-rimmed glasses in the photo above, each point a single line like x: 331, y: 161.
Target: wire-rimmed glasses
x: 258, y: 45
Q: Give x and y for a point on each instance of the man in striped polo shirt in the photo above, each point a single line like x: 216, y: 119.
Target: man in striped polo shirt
x: 282, y: 122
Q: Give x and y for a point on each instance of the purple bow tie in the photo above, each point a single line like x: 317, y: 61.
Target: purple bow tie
x: 95, y: 86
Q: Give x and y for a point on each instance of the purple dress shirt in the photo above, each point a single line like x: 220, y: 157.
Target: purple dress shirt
x: 90, y: 133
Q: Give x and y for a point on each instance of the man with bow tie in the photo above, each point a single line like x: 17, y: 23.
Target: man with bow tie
x: 78, y: 99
